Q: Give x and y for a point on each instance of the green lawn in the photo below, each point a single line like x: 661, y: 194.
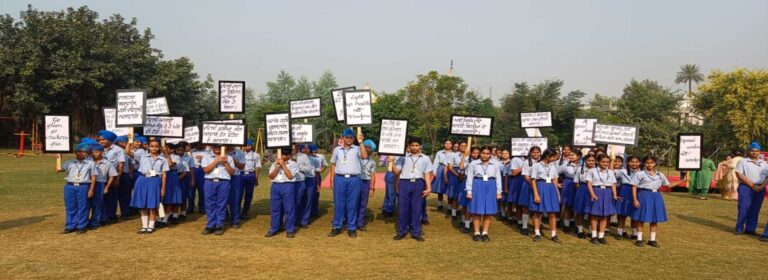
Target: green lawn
x: 696, y: 243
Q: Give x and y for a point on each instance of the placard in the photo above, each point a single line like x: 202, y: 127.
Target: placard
x: 582, y: 132
x: 232, y: 121
x: 57, y: 134
x: 302, y: 133
x: 689, y: 156
x: 338, y: 101
x: 305, y: 108
x: 536, y: 119
x: 231, y: 97
x: 615, y: 134
x: 521, y: 146
x: 173, y: 140
x: 131, y: 105
x: 615, y: 150
x: 223, y: 134
x: 533, y: 132
x: 192, y: 134
x: 471, y: 125
x: 392, y: 136
x: 357, y: 107
x: 157, y: 106
x: 278, y: 130
x: 164, y: 126
x: 110, y: 124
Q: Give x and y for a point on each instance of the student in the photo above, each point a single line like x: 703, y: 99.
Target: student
x: 188, y: 182
x: 304, y: 186
x: 198, y: 153
x: 601, y: 182
x: 150, y: 186
x: 250, y: 177
x: 524, y: 196
x: 582, y: 196
x: 463, y: 164
x: 455, y: 176
x: 115, y: 155
x: 235, y: 186
x: 125, y: 186
x: 137, y: 152
x: 346, y: 168
x: 624, y: 207
x: 318, y: 179
x: 390, y: 195
x: 440, y: 182
x: 178, y: 172
x: 483, y: 188
x: 505, y: 166
x: 105, y: 175
x: 218, y: 169
x: 515, y: 183
x: 751, y: 172
x: 81, y: 182
x: 368, y: 187
x: 568, y: 171
x: 282, y: 198
x: 415, y: 173
x: 545, y: 197
x: 648, y: 201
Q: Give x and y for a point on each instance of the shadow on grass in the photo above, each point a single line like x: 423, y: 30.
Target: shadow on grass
x: 705, y: 222
x: 4, y: 225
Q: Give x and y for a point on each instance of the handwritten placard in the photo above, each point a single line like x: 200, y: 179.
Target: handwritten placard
x: 278, y: 128
x: 521, y: 146
x: 157, y: 106
x: 302, y: 133
x: 110, y: 122
x: 357, y: 107
x: 305, y: 108
x: 232, y: 121
x: 58, y: 136
x: 223, y: 134
x: 471, y: 125
x: 615, y: 150
x: 192, y: 134
x: 231, y: 97
x: 392, y: 136
x: 582, y: 132
x: 536, y: 119
x: 131, y: 108
x: 615, y: 134
x: 173, y: 140
x: 689, y: 155
x: 533, y: 132
x: 338, y: 101
x: 164, y: 126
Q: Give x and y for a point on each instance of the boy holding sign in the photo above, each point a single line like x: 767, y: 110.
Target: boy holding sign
x: 415, y: 172
x: 105, y: 174
x: 282, y: 200
x: 346, y: 167
x: 81, y: 181
x: 218, y: 169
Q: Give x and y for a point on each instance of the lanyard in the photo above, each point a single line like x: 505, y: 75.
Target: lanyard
x: 155, y: 161
x: 413, y: 162
x: 345, y: 151
x: 546, y: 167
x: 599, y: 175
x: 80, y: 168
x: 485, y: 168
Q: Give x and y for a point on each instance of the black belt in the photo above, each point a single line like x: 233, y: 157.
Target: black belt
x: 216, y: 180
x: 346, y: 175
x: 412, y: 180
x: 489, y: 178
x: 78, y: 184
x: 647, y: 190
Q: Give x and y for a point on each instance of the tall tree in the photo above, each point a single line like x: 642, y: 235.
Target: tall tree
x: 653, y: 109
x: 689, y: 74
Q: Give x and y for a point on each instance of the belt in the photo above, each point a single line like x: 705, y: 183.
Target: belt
x: 78, y: 184
x: 248, y: 172
x: 489, y: 178
x: 412, y: 180
x: 601, y: 187
x: 647, y: 190
x: 541, y: 180
x: 347, y: 175
x: 216, y: 180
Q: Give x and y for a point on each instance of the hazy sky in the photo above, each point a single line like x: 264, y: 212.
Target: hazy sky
x: 595, y: 46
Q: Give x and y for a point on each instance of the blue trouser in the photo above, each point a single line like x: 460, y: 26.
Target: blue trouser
x: 749, y: 208
x: 76, y: 205
x: 346, y: 196
x: 110, y: 202
x: 424, y: 217
x: 390, y: 196
x: 282, y: 204
x: 305, y: 204
x: 97, y: 206
x: 365, y: 190
x: 216, y: 194
x: 199, y: 187
x: 316, y: 197
x: 411, y: 206
x: 300, y: 194
x: 235, y: 193
x: 124, y: 191
x: 249, y: 184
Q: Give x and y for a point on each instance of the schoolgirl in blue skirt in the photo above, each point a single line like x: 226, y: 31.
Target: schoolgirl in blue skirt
x: 474, y: 155
x: 545, y: 197
x: 515, y: 183
x: 150, y: 186
x: 648, y: 201
x: 440, y: 184
x: 524, y: 196
x: 568, y: 172
x: 504, y: 164
x: 178, y: 171
x: 483, y: 189
x: 455, y: 177
x: 601, y: 182
x: 626, y: 179
x: 581, y: 198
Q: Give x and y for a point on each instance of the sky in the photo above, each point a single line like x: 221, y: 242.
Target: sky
x: 593, y: 46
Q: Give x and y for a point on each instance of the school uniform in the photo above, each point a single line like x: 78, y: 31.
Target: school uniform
x: 544, y: 176
x: 390, y: 197
x: 459, y: 189
x: 441, y: 160
x: 76, y: 192
x: 216, y: 190
x: 104, y: 170
x: 346, y: 186
x: 524, y: 197
x: 172, y: 182
x: 750, y: 201
x: 146, y: 192
x: 250, y: 179
x: 368, y: 174
x: 582, y: 198
x: 235, y: 188
x: 318, y: 181
x: 186, y: 183
x: 602, y: 180
x: 125, y: 188
x: 516, y: 182
x: 412, y: 171
x: 282, y: 199
x: 114, y: 155
x: 506, y: 181
x: 568, y: 173
x: 304, y: 188
x: 484, y: 183
x: 652, y: 209
x: 137, y: 155
x: 626, y: 179
x: 199, y: 182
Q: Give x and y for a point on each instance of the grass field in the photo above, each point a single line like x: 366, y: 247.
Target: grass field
x: 697, y: 243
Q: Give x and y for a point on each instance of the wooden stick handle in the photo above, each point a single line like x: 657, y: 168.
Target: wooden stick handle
x: 469, y: 145
x: 223, y: 150
x: 162, y: 142
x: 58, y: 162
x: 390, y: 164
x: 130, y: 135
x: 279, y: 153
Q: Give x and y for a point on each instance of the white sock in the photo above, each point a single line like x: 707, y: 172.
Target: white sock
x: 466, y: 224
x: 554, y: 233
x: 453, y: 212
x: 566, y: 223
x: 175, y: 215
x: 525, y: 220
x: 581, y: 228
x: 594, y: 234
x: 634, y: 231
x: 614, y: 219
x: 144, y: 221
x: 510, y: 218
x: 151, y: 224
x: 439, y: 203
x: 653, y: 236
x: 621, y: 230
x: 639, y: 236
x: 519, y: 222
x: 503, y: 213
x: 537, y: 232
x: 477, y: 233
x: 485, y: 233
x: 601, y: 234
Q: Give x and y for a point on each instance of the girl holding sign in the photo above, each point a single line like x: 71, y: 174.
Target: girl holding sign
x: 648, y: 201
x: 483, y: 189
x: 525, y: 195
x: 150, y: 186
x: 602, y: 191
x: 440, y: 182
x: 568, y: 171
x: 581, y: 199
x: 626, y: 179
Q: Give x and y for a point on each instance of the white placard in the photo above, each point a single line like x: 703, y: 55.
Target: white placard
x: 582, y: 132
x: 615, y: 150
x: 338, y: 101
x: 689, y: 151
x: 110, y: 124
x: 192, y: 134
x: 233, y: 121
x: 533, y: 132
x: 231, y: 97
x: 302, y: 133
x: 357, y: 107
x: 173, y: 140
x: 615, y: 134
x: 57, y: 135
x: 521, y: 146
x: 164, y: 126
x: 536, y: 119
x: 471, y: 125
x: 278, y: 130
x: 223, y: 134
x: 157, y: 106
x: 131, y: 105
x: 392, y: 137
x: 305, y: 108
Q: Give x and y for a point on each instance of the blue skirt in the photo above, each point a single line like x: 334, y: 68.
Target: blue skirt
x: 185, y: 185
x: 604, y: 206
x: 463, y: 201
x: 172, y: 188
x: 438, y: 186
x: 569, y: 192
x: 581, y: 199
x: 550, y: 202
x: 514, y: 188
x: 652, y: 209
x: 146, y: 192
x: 483, y: 197
x: 454, y: 188
x: 625, y: 207
x: 524, y: 195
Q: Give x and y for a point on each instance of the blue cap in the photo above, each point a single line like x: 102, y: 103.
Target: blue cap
x: 348, y: 133
x: 755, y: 146
x: 89, y: 141
x: 312, y: 148
x: 141, y: 139
x: 97, y: 148
x: 249, y: 142
x: 369, y: 143
x: 108, y: 135
x: 300, y: 147
x: 121, y: 139
x: 82, y: 147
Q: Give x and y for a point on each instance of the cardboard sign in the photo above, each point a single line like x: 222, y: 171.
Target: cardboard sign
x: 192, y: 134
x: 305, y: 108
x: 338, y: 101
x: 533, y: 132
x: 615, y: 150
x: 157, y: 106
x: 233, y: 121
x: 521, y: 146
x: 110, y: 115
x: 689, y: 155
x: 302, y: 133
x: 131, y: 108
x: 173, y: 140
x: 357, y: 107
x: 231, y: 97
x: 471, y: 125
x: 164, y: 126
x: 57, y: 134
x: 615, y: 134
x: 278, y: 130
x: 582, y: 132
x: 536, y: 119
x: 392, y: 136
x: 223, y: 134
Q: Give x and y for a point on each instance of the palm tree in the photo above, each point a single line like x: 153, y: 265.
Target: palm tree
x: 689, y: 73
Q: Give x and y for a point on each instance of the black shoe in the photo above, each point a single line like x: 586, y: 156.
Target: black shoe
x: 566, y: 229
x: 142, y: 231
x: 418, y: 238
x: 466, y: 230
x: 235, y: 226
x: 536, y: 238
x: 81, y: 231
x: 190, y: 212
x: 202, y: 212
x: 520, y: 227
x: 439, y: 208
x: 334, y: 232
x: 244, y: 216
x: 524, y: 231
x: 219, y: 231
x: 555, y: 239
x: 738, y: 233
x: 764, y: 239
x: 750, y: 233
x: 160, y: 225
x: 93, y: 228
x: 486, y: 238
x: 426, y: 223
x: 270, y: 234
x: 361, y: 228
x: 625, y: 235
x: 399, y: 237
x: 454, y: 218
x: 173, y: 220
x: 653, y: 244
x: 304, y: 226
x: 68, y: 230
x: 633, y: 237
x: 639, y: 243
x: 182, y: 217
x: 352, y: 233
x: 620, y: 237
x: 477, y: 238
x: 594, y: 241
x: 150, y: 230
x: 581, y: 235
x: 207, y: 231
x: 602, y: 241
x: 290, y: 235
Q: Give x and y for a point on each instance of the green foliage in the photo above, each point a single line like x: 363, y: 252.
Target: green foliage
x: 689, y: 74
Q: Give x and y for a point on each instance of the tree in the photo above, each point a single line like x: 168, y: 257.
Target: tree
x: 689, y: 74
x: 652, y: 108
